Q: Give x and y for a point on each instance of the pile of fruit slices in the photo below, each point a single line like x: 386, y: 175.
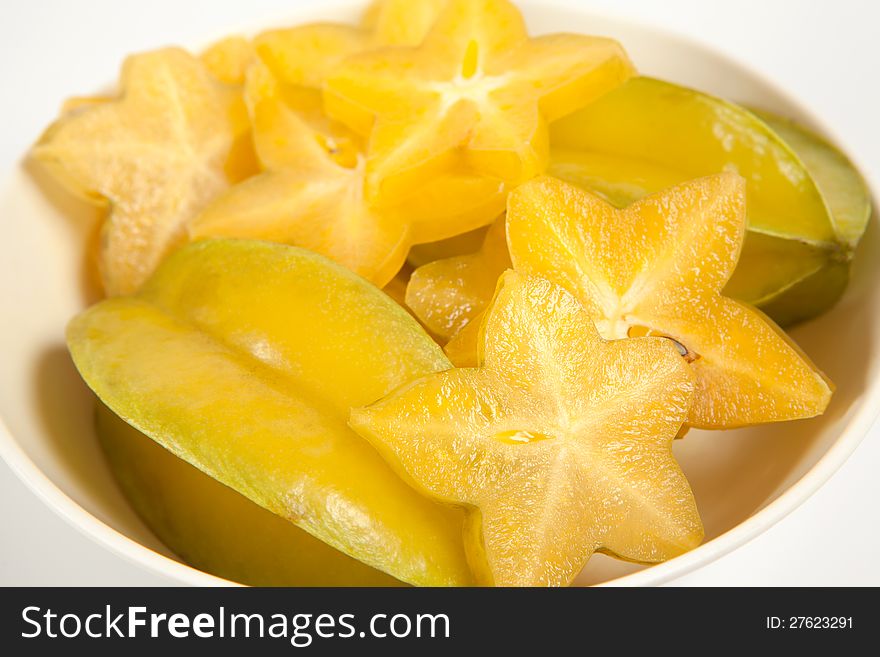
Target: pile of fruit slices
x: 299, y: 224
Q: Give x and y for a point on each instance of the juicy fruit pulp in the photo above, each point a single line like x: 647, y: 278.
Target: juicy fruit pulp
x: 228, y: 59
x: 648, y: 135
x: 250, y: 378
x: 559, y: 443
x: 401, y: 22
x: 447, y: 294
x: 475, y: 95
x: 682, y: 245
x: 213, y: 527
x: 311, y: 194
x: 158, y: 154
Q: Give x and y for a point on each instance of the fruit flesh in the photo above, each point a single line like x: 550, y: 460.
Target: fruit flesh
x: 447, y: 294
x: 558, y: 444
x: 683, y: 245
x: 228, y: 59
x: 401, y: 22
x: 462, y: 244
x: 250, y: 378
x: 214, y: 528
x: 476, y: 94
x: 158, y: 154
x: 648, y: 134
x: 310, y: 196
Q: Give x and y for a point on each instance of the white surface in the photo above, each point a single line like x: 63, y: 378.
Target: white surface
x: 818, y: 52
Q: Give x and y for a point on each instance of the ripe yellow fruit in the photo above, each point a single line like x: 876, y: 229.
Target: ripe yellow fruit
x: 681, y: 247
x: 807, y: 206
x: 174, y: 140
x: 447, y: 294
x: 558, y: 444
x: 304, y: 55
x: 244, y: 359
x: 216, y: 529
x: 476, y: 96
x: 228, y: 59
x: 401, y: 22
x: 311, y: 194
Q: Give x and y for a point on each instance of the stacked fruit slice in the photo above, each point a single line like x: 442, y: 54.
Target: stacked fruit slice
x: 573, y: 236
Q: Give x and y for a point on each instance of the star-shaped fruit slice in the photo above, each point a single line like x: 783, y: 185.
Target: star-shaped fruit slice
x: 447, y: 294
x: 304, y: 55
x: 401, y: 22
x: 158, y: 154
x: 311, y: 194
x: 657, y: 267
x: 558, y: 444
x: 475, y: 96
x: 228, y: 59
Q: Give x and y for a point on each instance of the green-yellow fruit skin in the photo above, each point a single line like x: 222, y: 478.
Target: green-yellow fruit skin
x: 849, y: 203
x: 648, y: 135
x: 244, y: 359
x: 215, y: 529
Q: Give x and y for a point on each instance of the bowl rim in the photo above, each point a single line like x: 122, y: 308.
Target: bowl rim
x: 851, y: 435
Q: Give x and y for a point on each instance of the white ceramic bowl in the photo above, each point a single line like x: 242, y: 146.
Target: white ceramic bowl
x: 744, y: 480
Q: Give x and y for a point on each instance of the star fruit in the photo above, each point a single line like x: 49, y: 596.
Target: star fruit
x: 311, y: 194
x: 157, y: 155
x: 214, y: 528
x: 476, y: 95
x: 849, y: 206
x: 228, y: 59
x: 302, y: 57
x: 447, y: 294
x: 401, y: 22
x: 244, y: 359
x: 558, y: 444
x: 648, y: 134
x: 658, y: 267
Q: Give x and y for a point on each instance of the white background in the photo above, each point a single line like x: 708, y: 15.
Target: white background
x: 822, y: 53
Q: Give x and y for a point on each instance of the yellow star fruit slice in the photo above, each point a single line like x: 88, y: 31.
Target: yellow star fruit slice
x: 304, y: 55
x: 475, y: 96
x: 648, y: 135
x: 301, y: 58
x: 461, y: 244
x: 175, y: 139
x: 401, y: 22
x: 447, y: 294
x: 228, y: 59
x: 244, y: 358
x: 311, y: 196
x: 658, y: 267
x: 558, y: 444
x: 214, y: 528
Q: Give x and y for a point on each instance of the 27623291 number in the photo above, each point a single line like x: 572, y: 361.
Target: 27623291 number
x: 810, y: 623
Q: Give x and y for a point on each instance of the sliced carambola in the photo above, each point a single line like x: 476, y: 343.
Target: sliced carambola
x: 401, y: 22
x: 244, y: 358
x: 447, y: 294
x: 462, y: 244
x: 658, y: 267
x: 228, y: 59
x: 558, y: 444
x: 476, y: 95
x: 158, y: 154
x: 304, y: 55
x: 648, y: 134
x: 311, y: 194
x: 214, y: 528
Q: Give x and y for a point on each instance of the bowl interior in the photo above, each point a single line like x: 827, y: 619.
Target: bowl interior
x: 48, y: 410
